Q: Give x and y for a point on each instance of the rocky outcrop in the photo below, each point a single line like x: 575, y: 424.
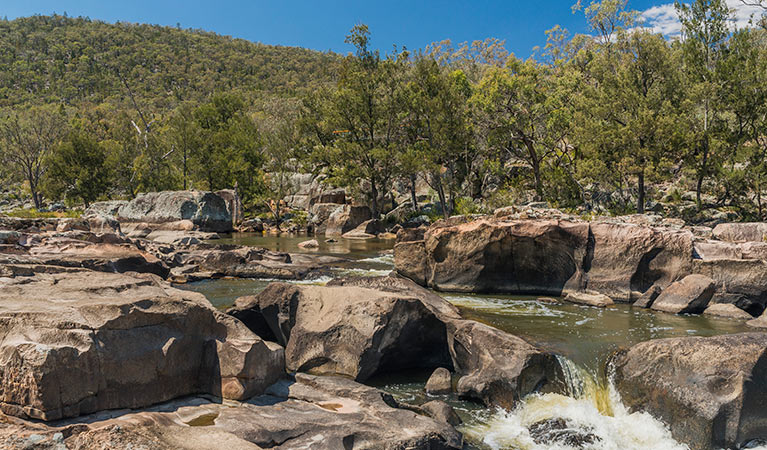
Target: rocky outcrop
x: 73, y: 343
x: 366, y: 230
x: 346, y: 218
x: 728, y: 311
x: 351, y: 331
x: 689, y: 295
x: 545, y: 257
x: 710, y: 391
x: 233, y: 205
x: 625, y: 261
x: 358, y: 332
x: 320, y: 213
x: 206, y: 210
x: 298, y: 413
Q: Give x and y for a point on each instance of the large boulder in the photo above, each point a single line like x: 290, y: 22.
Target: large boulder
x: 233, y: 204
x: 108, y: 208
x: 76, y: 342
x: 346, y: 218
x: 345, y: 330
x: 208, y: 211
x: 320, y: 213
x: 689, y: 295
x: 710, y: 391
x: 545, y: 257
x: 741, y: 232
x: 498, y: 368
x: 304, y: 412
x: 358, y: 332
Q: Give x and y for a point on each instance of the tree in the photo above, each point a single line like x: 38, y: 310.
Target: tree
x: 364, y: 111
x: 523, y: 115
x: 704, y: 30
x: 633, y: 109
x: 436, y: 128
x: 27, y: 139
x: 77, y: 169
x: 230, y: 153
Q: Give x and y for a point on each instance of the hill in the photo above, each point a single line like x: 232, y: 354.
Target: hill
x: 58, y: 59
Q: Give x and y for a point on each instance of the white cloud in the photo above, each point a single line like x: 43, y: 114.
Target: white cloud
x: 663, y: 18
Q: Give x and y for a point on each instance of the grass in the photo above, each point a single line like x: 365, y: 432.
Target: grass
x: 32, y: 213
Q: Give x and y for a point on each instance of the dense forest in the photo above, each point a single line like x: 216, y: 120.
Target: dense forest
x: 619, y: 120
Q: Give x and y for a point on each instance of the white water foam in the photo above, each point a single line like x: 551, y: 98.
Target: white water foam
x: 387, y: 259
x: 589, y: 409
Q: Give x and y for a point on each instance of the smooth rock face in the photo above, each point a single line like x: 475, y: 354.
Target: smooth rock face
x: 366, y: 230
x: 689, y: 295
x: 545, y: 257
x: 727, y: 310
x: 710, y: 391
x: 206, y: 210
x: 347, y: 330
x: 498, y: 368
x: 346, y: 218
x: 589, y: 299
x: 300, y: 413
x: 73, y: 343
x: 741, y: 232
x: 312, y: 243
x: 440, y: 382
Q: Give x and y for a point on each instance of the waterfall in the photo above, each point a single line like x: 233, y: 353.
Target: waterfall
x: 588, y: 415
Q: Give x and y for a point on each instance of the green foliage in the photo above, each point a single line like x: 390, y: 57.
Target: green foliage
x: 77, y: 169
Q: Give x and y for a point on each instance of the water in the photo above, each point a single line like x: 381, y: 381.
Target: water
x: 585, y: 337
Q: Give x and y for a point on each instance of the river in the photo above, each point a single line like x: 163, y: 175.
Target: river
x: 585, y: 337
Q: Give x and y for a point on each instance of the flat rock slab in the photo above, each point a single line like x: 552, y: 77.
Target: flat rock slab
x: 306, y: 412
x: 588, y: 299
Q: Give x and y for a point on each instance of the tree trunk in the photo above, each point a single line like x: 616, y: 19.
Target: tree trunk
x: 413, y: 196
x: 640, y: 195
x: 374, y: 194
x: 441, y: 193
x: 536, y: 164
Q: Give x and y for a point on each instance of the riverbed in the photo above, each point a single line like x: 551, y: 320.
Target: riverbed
x: 584, y: 337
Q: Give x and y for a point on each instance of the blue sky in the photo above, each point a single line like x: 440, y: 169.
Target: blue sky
x: 322, y: 25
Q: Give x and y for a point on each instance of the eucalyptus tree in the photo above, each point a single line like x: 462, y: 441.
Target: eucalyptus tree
x: 705, y: 30
x: 27, y: 138
x: 524, y: 115
x: 365, y: 111
x: 436, y: 127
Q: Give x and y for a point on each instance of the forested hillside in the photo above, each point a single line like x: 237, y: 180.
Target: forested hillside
x: 56, y: 59
x: 619, y: 120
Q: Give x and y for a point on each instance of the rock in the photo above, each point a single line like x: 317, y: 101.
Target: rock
x: 759, y: 322
x: 689, y: 295
x: 320, y: 213
x: 400, y: 213
x: 109, y: 208
x: 233, y: 204
x: 298, y: 413
x: 251, y: 226
x: 74, y: 343
x: 102, y: 223
x: 442, y: 412
x: 337, y: 196
x: 206, y: 210
x: 589, y: 299
x: 71, y: 224
x: 498, y: 368
x: 440, y: 382
x: 741, y: 232
x: 558, y: 432
x: 346, y: 330
x: 646, y: 299
x: 346, y: 218
x: 709, y: 390
x: 9, y: 237
x: 405, y: 287
x: 742, y: 282
x: 312, y: 243
x: 366, y: 230
x: 545, y: 257
x: 727, y: 310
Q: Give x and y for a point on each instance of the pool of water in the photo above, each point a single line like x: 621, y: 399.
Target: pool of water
x: 584, y: 336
